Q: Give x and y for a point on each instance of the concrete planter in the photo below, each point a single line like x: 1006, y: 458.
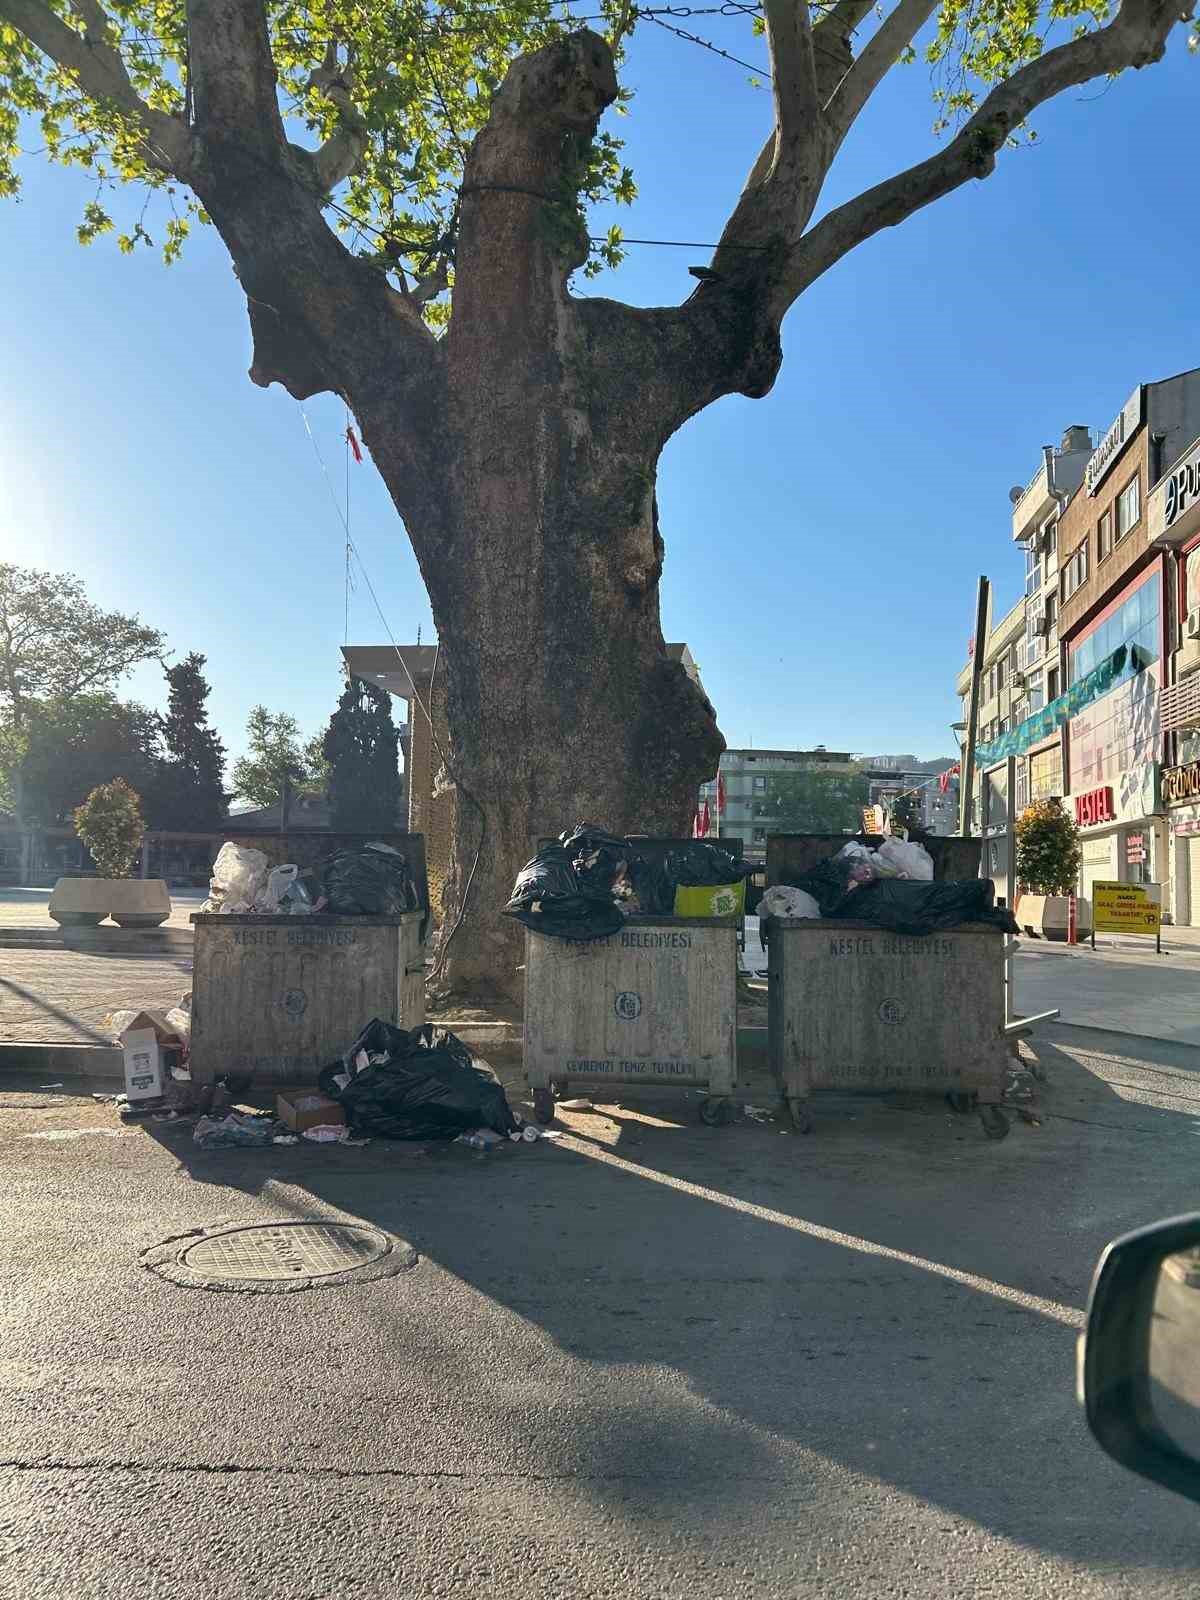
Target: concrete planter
x: 1046, y: 916
x: 139, y: 902
x: 80, y: 902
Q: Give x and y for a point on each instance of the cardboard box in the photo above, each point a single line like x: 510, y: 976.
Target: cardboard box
x: 151, y: 1046
x: 300, y: 1109
x: 143, y: 1064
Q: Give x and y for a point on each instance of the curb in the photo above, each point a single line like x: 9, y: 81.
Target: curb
x: 101, y: 941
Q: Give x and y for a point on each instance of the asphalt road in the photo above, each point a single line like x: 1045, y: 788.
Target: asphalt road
x: 651, y: 1360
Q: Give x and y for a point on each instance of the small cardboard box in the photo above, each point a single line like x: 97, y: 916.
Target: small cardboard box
x: 299, y: 1109
x: 143, y: 1064
x: 150, y: 1045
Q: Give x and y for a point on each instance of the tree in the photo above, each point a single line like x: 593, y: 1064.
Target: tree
x: 520, y: 447
x: 274, y: 758
x: 70, y: 746
x: 812, y: 801
x: 1048, y: 849
x: 110, y: 824
x: 187, y: 789
x: 54, y: 643
x: 362, y: 748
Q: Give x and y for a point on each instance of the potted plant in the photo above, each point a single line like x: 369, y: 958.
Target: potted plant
x: 109, y: 822
x: 1048, y: 857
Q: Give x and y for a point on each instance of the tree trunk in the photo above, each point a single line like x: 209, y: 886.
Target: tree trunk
x: 562, y: 703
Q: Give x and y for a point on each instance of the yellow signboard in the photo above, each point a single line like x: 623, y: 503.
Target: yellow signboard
x: 1124, y: 908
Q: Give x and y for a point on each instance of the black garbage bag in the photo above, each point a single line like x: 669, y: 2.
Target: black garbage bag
x: 550, y: 897
x: 370, y: 882
x: 419, y: 1083
x: 908, y: 906
x: 828, y: 883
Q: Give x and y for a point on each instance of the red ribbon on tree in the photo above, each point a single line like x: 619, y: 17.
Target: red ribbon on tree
x: 352, y: 441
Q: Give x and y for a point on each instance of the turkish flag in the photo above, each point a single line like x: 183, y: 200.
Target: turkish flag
x: 700, y: 826
x: 720, y: 794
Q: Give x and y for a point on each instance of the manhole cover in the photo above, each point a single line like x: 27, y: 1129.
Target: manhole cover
x: 279, y: 1257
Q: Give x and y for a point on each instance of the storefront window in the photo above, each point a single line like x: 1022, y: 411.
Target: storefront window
x: 1045, y: 774
x: 1022, y: 799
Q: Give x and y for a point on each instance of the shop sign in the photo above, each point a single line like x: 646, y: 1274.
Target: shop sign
x: 1181, y: 785
x: 1182, y: 826
x: 1097, y: 852
x: 1114, y: 441
x: 1124, y: 908
x: 1135, y: 848
x: 873, y: 819
x: 1094, y: 807
x: 1183, y: 486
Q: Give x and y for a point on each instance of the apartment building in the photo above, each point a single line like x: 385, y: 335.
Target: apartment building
x: 1001, y: 692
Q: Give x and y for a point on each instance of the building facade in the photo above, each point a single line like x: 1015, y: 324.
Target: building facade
x: 740, y: 805
x: 1001, y: 690
x: 1104, y: 716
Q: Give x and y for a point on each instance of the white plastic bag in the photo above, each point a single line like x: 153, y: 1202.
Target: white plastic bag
x: 279, y: 881
x: 904, y: 858
x: 780, y: 901
x: 239, y: 877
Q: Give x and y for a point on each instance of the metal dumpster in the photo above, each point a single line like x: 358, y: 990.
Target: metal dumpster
x: 282, y: 997
x: 854, y: 1007
x: 857, y: 1008
x: 655, y: 1004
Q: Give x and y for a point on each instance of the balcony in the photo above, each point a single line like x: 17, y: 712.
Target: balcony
x: 1034, y: 506
x: 1179, y: 705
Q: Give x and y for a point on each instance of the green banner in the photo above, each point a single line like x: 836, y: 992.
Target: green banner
x: 1047, y: 721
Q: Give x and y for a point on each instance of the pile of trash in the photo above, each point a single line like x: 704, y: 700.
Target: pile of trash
x: 891, y: 887
x: 586, y: 885
x: 373, y: 881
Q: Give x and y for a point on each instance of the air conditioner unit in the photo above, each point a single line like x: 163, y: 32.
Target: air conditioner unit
x: 1193, y: 624
x: 1041, y: 624
x: 1018, y: 680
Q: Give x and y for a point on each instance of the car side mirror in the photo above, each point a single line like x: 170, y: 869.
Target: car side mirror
x: 1140, y: 1356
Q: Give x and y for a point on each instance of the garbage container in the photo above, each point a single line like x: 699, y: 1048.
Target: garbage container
x: 281, y: 997
x: 854, y: 1007
x: 654, y: 1004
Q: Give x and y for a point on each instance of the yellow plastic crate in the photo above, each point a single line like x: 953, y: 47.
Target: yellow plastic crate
x: 711, y: 900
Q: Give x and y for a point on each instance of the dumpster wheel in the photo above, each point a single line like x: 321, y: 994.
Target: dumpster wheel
x: 716, y: 1112
x: 799, y: 1117
x: 995, y: 1123
x: 963, y: 1101
x: 543, y: 1107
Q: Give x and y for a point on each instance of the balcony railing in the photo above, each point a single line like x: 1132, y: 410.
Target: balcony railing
x: 1179, y: 705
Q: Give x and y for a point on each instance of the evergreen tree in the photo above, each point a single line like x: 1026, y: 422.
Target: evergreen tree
x: 187, y: 791
x: 1048, y: 849
x: 361, y: 746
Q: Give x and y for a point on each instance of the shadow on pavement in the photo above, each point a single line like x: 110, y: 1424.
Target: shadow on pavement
x: 895, y: 1294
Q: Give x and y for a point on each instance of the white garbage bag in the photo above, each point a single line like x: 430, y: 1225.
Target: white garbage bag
x: 780, y: 901
x: 239, y: 877
x: 904, y: 858
x: 279, y: 881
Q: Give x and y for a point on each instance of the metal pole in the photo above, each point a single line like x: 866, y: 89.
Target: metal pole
x: 966, y: 776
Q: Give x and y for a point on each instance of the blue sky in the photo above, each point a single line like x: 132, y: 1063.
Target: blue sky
x: 823, y: 544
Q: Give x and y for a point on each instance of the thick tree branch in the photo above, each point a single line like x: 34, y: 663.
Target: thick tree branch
x: 793, y: 73
x: 101, y: 75
x: 339, y: 157
x: 881, y: 52
x: 1135, y: 38
x: 233, y: 73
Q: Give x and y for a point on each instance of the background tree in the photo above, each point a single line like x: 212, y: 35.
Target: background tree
x: 521, y: 447
x: 70, y: 746
x: 1048, y: 849
x: 110, y: 824
x: 362, y: 747
x: 275, y: 757
x: 54, y: 643
x: 812, y: 802
x: 187, y: 791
